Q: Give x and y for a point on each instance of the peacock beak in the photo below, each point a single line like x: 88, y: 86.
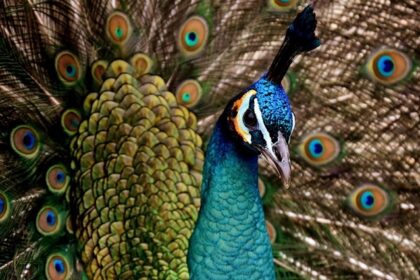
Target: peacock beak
x: 278, y: 157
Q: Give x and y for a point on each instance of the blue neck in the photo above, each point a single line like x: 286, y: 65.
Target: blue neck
x: 230, y: 240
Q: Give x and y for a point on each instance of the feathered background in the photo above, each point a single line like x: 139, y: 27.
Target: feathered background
x: 357, y: 97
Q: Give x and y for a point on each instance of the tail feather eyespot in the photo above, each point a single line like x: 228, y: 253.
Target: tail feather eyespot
x: 319, y: 149
x: 189, y: 93
x: 68, y: 68
x: 57, y: 179
x: 118, y: 28
x: 58, y: 267
x: 25, y: 141
x: 48, y: 221
x: 369, y: 200
x: 388, y: 66
x: 193, y: 36
x: 70, y: 121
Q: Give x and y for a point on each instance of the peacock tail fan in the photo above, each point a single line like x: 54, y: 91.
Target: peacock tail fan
x: 105, y: 105
x: 352, y: 209
x: 101, y: 162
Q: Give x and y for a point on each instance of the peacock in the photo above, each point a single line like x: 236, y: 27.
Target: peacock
x: 130, y: 130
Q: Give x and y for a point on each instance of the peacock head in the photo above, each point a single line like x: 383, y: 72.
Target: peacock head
x: 261, y: 116
x: 262, y: 119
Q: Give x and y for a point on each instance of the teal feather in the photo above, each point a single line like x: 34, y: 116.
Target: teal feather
x: 230, y: 239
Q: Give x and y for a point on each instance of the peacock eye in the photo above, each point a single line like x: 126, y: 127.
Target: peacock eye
x: 118, y: 28
x: 189, y: 93
x: 193, y: 36
x: 68, y: 68
x: 389, y: 66
x: 58, y: 267
x: 370, y: 201
x: 25, y: 141
x: 250, y: 119
x: 48, y: 221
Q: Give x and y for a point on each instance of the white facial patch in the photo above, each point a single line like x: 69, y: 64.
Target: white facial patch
x: 242, y: 106
x: 261, y: 125
x: 293, y: 126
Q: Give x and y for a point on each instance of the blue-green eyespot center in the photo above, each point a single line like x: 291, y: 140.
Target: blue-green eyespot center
x: 29, y: 140
x: 70, y: 121
x: 386, y: 65
x: 71, y: 70
x: 25, y: 141
x: 60, y: 177
x: 186, y: 97
x: 367, y: 200
x: 48, y: 221
x: 119, y: 32
x: 316, y: 148
x: 74, y: 123
x: 59, y: 266
x: 191, y: 39
x: 51, y: 218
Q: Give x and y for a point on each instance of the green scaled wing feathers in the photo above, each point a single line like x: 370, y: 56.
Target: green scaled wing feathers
x: 137, y: 167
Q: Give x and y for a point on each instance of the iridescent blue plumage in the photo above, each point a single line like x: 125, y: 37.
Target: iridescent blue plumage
x: 230, y: 240
x: 275, y: 107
